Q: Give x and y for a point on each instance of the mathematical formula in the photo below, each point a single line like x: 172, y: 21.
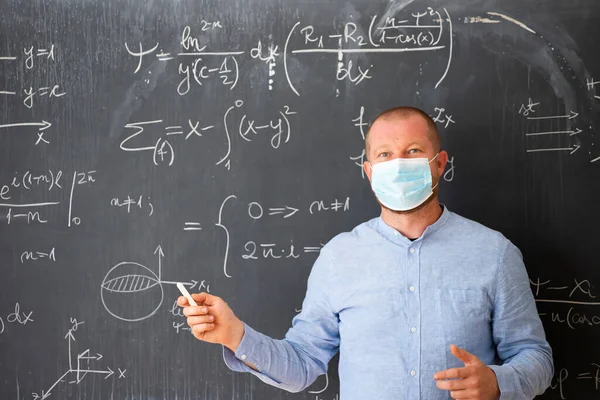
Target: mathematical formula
x: 430, y: 30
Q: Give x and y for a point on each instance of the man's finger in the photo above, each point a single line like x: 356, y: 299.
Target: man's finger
x: 201, y: 328
x: 205, y: 298
x: 202, y: 319
x: 463, y: 394
x: 193, y: 311
x: 463, y: 355
x: 182, y: 301
x: 454, y: 384
x: 452, y: 373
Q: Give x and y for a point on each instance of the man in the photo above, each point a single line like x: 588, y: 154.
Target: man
x: 421, y: 303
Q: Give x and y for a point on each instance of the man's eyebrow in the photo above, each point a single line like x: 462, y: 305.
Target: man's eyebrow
x: 379, y: 148
x: 416, y: 144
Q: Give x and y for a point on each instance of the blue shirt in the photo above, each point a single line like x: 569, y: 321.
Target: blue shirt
x: 393, y: 306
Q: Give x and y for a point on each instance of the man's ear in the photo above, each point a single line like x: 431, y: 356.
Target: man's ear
x: 441, y: 161
x: 368, y: 168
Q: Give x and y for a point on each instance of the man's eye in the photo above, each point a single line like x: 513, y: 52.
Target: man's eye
x: 384, y: 154
x: 412, y: 151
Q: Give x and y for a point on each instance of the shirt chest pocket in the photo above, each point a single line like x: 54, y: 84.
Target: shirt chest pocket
x: 464, y: 316
x: 463, y: 303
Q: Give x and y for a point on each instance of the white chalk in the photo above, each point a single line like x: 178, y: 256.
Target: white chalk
x: 187, y: 294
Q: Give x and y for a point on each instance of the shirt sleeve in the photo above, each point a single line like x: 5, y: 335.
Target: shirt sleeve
x: 294, y: 362
x: 527, y: 366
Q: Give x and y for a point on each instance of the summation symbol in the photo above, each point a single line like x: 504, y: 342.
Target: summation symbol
x: 133, y: 292
x: 80, y: 365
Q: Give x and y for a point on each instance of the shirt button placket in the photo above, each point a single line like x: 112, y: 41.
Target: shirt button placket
x: 414, y: 321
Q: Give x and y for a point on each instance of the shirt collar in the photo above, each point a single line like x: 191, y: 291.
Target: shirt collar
x: 396, y: 237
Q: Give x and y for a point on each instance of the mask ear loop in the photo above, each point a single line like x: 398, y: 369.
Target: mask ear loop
x: 438, y: 182
x: 434, y: 157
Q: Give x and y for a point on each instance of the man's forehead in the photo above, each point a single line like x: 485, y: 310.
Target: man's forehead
x: 411, y: 128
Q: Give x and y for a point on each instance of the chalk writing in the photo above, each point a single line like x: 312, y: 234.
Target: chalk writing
x: 28, y: 180
x: 276, y: 128
x: 38, y: 255
x: 562, y: 378
x: 443, y: 117
x: 422, y: 32
x: 28, y: 217
x: 254, y: 251
x: 558, y: 380
x: 51, y: 180
x: 53, y: 91
x: 192, y: 226
x: 32, y: 52
x: 270, y: 58
x: 162, y: 150
x: 219, y: 224
x: 579, y: 293
x: 579, y: 286
x: 245, y: 126
x: 324, y: 387
x: 528, y: 108
x: 42, y: 124
x: 226, y: 68
x: 80, y: 364
x: 570, y: 115
x: 572, y: 318
x: 449, y: 173
x: 16, y: 317
x: 279, y: 129
x: 133, y: 278
x: 591, y: 84
x: 360, y: 123
x: 527, y: 112
x: 593, y: 374
x: 79, y: 178
x: 359, y: 161
x: 257, y: 211
x: 140, y: 202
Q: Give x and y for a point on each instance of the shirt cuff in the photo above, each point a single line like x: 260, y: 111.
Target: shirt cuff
x: 244, y: 352
x: 247, y: 351
x: 505, y: 375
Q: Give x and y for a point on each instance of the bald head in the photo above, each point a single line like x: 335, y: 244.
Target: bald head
x: 401, y: 113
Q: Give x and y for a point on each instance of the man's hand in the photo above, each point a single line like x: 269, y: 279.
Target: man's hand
x: 213, y: 321
x: 475, y: 381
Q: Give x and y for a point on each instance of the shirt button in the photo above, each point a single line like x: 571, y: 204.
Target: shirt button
x: 243, y: 357
x: 413, y: 329
x: 412, y: 250
x: 412, y: 288
x: 413, y: 372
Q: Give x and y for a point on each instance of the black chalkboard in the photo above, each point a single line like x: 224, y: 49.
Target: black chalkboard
x: 218, y: 143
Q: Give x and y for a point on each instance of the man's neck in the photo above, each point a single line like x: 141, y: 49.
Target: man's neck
x: 412, y: 225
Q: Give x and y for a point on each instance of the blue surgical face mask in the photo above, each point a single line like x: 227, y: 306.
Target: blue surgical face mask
x: 402, y: 184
